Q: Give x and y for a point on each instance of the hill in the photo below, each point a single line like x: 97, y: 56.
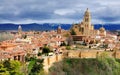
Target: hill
x: 76, y: 66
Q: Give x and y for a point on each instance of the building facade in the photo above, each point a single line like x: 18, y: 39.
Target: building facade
x: 85, y: 28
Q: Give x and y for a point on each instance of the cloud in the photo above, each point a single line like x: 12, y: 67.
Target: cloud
x: 63, y: 12
x: 67, y: 11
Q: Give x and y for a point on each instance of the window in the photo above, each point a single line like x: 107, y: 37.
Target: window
x: 82, y: 29
x: 75, y: 26
x: 86, y: 19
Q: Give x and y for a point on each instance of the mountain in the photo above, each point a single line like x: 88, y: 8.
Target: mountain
x: 34, y: 26
x: 52, y: 26
x: 111, y: 27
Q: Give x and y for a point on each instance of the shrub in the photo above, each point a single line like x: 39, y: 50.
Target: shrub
x: 45, y: 50
x: 76, y: 66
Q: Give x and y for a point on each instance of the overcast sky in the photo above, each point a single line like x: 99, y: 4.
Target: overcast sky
x: 58, y: 11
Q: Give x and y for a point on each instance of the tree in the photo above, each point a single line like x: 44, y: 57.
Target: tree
x: 68, y: 47
x: 30, y: 66
x: 63, y: 44
x: 105, y: 45
x: 39, y: 54
x: 24, y: 36
x: 109, y: 64
x: 3, y: 70
x: 45, y: 50
x: 5, y: 36
x: 73, y: 32
x: 77, y: 66
x: 35, y: 66
x: 13, y: 67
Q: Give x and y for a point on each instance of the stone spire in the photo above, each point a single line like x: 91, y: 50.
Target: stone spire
x: 59, y: 30
x: 87, y: 17
x: 19, y: 29
x: 87, y: 12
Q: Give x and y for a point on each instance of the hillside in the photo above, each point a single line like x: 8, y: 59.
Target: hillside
x: 76, y: 66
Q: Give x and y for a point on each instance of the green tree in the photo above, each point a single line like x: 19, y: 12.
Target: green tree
x: 63, y: 44
x: 68, y: 47
x: 39, y: 54
x: 77, y: 66
x: 30, y: 66
x: 35, y: 66
x: 73, y: 32
x: 45, y: 50
x: 13, y: 67
x: 24, y: 36
x: 3, y: 71
x: 111, y: 65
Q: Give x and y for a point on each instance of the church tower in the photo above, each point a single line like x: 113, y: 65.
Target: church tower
x: 87, y: 18
x: 19, y: 29
x: 59, y: 30
x: 85, y: 28
x: 87, y: 22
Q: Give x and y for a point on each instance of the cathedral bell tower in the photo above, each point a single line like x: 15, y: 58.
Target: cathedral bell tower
x: 85, y: 27
x: 87, y: 22
x: 87, y: 18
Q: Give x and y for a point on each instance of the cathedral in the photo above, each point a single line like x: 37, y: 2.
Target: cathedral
x: 85, y: 28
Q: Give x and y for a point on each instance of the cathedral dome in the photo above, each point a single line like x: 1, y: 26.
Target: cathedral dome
x: 102, y: 29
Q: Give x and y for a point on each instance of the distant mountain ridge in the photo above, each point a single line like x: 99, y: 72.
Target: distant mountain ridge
x: 52, y: 26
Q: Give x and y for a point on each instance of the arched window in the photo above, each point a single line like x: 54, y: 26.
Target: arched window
x: 86, y: 19
x: 75, y: 26
x: 82, y: 29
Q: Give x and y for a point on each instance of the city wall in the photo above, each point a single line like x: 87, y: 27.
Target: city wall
x: 92, y: 54
x: 48, y: 61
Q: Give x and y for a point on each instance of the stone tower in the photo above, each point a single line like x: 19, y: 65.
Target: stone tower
x: 85, y: 28
x: 59, y: 30
x: 19, y: 29
x: 87, y: 22
x: 87, y: 17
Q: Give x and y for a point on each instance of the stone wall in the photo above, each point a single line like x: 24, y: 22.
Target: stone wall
x: 87, y: 54
x: 48, y: 61
x: 91, y: 53
x: 117, y: 54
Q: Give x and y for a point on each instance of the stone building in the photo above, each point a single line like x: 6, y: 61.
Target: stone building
x: 102, y: 32
x: 85, y: 28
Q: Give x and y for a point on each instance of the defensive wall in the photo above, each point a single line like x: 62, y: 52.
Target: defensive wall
x: 91, y: 53
x: 49, y: 60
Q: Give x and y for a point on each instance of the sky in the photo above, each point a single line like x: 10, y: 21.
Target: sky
x: 58, y: 11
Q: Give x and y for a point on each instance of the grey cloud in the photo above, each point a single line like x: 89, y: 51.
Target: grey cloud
x: 102, y: 10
